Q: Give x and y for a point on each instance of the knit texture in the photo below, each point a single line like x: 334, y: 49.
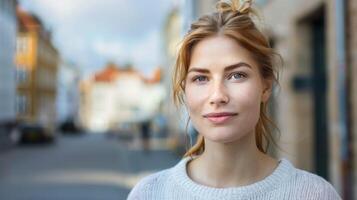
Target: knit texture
x: 286, y: 182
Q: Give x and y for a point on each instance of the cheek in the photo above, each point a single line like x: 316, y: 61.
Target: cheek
x: 251, y: 113
x: 247, y: 100
x: 247, y: 95
x: 195, y: 97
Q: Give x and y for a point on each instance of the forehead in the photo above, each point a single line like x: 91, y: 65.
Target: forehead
x: 218, y: 52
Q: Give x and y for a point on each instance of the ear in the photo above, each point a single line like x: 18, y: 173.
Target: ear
x: 267, y: 89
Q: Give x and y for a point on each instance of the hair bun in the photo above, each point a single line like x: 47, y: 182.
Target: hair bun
x: 240, y: 6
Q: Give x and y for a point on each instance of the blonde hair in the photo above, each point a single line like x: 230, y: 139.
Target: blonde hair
x: 232, y: 19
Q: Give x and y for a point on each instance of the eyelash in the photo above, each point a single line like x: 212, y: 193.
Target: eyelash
x: 243, y: 75
x: 195, y: 78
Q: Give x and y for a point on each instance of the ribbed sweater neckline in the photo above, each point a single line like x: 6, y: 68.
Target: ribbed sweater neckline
x: 280, y: 174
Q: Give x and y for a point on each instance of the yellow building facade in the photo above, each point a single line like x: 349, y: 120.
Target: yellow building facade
x: 36, y: 72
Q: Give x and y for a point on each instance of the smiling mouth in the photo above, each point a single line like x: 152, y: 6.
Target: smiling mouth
x: 220, y: 118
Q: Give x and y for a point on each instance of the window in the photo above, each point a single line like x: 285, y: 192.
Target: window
x: 22, y: 44
x: 21, y: 74
x: 21, y: 104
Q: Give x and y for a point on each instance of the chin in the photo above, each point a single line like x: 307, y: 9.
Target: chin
x: 223, y: 135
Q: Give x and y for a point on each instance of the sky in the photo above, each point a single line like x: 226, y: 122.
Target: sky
x: 91, y: 33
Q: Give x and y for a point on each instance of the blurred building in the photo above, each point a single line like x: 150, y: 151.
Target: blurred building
x: 116, y: 96
x: 317, y: 86
x: 351, y: 61
x: 173, y: 32
x: 8, y: 25
x: 317, y: 101
x: 352, y: 85
x: 36, y: 71
x: 68, y: 92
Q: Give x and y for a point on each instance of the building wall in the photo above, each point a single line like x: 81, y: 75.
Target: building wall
x: 173, y: 31
x: 8, y: 27
x: 292, y: 35
x: 46, y: 82
x: 67, y: 92
x: 352, y: 63
x: 106, y: 105
x: 25, y: 76
x: 37, y: 63
x: 294, y: 110
x: 100, y: 112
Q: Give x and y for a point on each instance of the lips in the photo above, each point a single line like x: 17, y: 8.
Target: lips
x: 219, y: 118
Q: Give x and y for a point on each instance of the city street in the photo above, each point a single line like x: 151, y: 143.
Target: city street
x: 89, y: 166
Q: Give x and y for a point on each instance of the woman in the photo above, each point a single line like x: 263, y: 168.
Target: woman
x: 224, y: 75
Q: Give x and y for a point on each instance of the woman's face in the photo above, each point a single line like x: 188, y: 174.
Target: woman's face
x: 224, y: 90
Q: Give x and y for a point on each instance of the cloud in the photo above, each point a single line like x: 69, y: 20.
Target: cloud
x: 148, y: 51
x: 144, y: 54
x: 108, y: 49
x: 122, y: 16
x: 89, y: 32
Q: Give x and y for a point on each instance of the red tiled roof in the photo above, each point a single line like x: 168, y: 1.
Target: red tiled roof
x: 111, y: 72
x: 27, y: 20
x: 155, y: 78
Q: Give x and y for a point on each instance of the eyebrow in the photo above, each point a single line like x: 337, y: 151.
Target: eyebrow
x: 227, y: 68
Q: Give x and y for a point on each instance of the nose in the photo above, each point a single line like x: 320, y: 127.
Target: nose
x: 219, y: 94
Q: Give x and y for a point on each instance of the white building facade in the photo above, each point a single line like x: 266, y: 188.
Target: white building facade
x: 126, y: 99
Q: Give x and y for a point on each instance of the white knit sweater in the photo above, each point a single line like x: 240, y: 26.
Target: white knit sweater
x: 286, y: 182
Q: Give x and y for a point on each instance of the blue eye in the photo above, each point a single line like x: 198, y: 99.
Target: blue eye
x: 200, y: 79
x: 237, y: 75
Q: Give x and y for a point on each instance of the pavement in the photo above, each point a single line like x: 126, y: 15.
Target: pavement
x: 88, y: 166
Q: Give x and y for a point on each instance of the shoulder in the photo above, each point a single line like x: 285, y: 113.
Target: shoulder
x: 145, y: 188
x: 322, y: 188
x: 312, y: 185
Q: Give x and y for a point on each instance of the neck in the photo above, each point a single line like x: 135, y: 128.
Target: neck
x: 231, y: 164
